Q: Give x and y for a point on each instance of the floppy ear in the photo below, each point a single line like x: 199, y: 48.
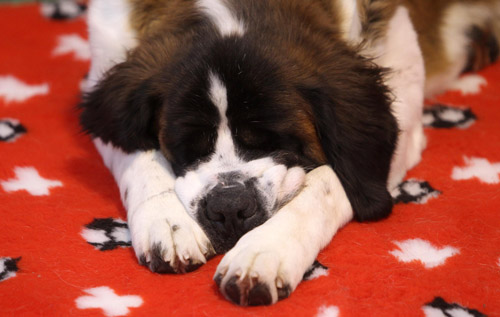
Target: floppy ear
x: 357, y: 132
x: 121, y: 108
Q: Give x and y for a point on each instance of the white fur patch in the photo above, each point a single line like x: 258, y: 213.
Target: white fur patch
x: 13, y: 89
x: 72, y: 44
x: 218, y: 95
x: 27, y: 178
x: 469, y: 84
x: 421, y: 250
x: 401, y: 53
x: 328, y: 311
x: 224, y: 146
x: 106, y: 299
x: 222, y: 17
x: 110, y: 36
x: 479, y: 168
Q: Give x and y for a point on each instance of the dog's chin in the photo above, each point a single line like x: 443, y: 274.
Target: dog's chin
x: 223, y: 239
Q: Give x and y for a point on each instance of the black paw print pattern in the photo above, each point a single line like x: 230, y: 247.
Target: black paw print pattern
x: 8, y: 267
x: 414, y: 191
x: 62, y: 9
x: 10, y: 129
x: 439, y: 307
x: 445, y: 117
x: 314, y: 271
x: 107, y: 233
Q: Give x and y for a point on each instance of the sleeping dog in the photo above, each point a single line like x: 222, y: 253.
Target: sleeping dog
x: 258, y: 128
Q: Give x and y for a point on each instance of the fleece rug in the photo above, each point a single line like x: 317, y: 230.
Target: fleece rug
x: 65, y: 248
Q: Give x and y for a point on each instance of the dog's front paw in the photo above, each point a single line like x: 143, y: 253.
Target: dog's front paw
x: 166, y: 239
x: 260, y: 269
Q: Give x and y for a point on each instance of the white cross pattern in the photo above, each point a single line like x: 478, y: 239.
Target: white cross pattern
x: 106, y: 299
x: 12, y: 89
x: 27, y: 178
x: 478, y: 168
x: 469, y: 84
x: 328, y: 311
x: 73, y: 43
x: 421, y: 250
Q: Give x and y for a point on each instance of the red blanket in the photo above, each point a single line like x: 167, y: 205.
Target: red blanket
x: 65, y: 251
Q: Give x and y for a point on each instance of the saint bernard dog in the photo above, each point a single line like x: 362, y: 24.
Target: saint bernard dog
x: 258, y: 128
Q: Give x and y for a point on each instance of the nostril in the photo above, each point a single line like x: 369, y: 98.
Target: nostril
x: 247, y: 210
x: 215, y: 216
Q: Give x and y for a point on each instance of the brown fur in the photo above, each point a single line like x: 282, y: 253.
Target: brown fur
x: 375, y: 16
x: 151, y: 16
x: 428, y: 17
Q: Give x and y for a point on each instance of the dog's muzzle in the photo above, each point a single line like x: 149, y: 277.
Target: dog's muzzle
x: 229, y: 210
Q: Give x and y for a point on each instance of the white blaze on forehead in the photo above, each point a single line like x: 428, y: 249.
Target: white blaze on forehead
x: 222, y: 17
x: 224, y: 147
x: 218, y: 94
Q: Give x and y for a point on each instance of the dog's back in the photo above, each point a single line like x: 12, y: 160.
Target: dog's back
x: 455, y: 37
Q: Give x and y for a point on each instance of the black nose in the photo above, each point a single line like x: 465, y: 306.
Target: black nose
x: 231, y: 205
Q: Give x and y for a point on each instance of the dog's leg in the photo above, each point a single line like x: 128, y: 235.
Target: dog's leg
x: 401, y: 53
x: 164, y: 236
x: 268, y: 263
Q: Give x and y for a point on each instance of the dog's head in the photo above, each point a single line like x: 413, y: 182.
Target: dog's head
x: 241, y: 124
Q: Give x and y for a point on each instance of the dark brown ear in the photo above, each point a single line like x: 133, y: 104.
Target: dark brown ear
x: 357, y: 132
x: 121, y: 108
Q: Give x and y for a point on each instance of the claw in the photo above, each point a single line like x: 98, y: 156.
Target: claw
x: 238, y: 273
x: 279, y: 283
x: 218, y: 279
